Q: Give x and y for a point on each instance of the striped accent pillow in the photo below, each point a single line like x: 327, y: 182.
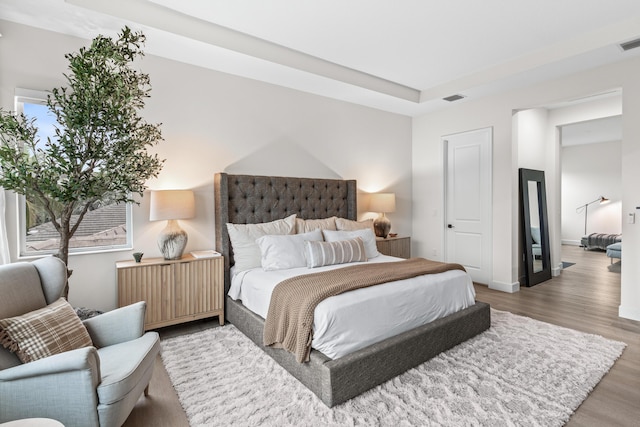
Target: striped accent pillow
x: 53, y: 329
x: 319, y: 254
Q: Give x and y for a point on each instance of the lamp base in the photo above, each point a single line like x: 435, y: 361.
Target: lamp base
x: 172, y: 240
x: 381, y: 226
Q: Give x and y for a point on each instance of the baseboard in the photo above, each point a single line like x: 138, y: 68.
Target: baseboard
x: 571, y: 242
x: 556, y: 270
x: 632, y: 313
x: 505, y: 287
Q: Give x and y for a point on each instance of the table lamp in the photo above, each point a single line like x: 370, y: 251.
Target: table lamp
x: 382, y: 203
x: 172, y: 205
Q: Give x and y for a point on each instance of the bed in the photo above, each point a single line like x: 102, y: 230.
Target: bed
x: 599, y: 240
x: 248, y: 199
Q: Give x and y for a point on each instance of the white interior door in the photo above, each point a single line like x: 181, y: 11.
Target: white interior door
x: 468, y: 203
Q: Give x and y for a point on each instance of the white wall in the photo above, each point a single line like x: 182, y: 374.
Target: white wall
x: 496, y: 111
x: 214, y: 122
x: 584, y: 111
x: 630, y: 292
x: 532, y: 138
x: 428, y: 184
x: 588, y: 172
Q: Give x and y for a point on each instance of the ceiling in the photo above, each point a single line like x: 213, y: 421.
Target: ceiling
x: 402, y: 56
x: 607, y: 129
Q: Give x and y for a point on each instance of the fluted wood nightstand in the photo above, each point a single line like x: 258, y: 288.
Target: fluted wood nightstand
x: 176, y: 291
x: 395, y: 246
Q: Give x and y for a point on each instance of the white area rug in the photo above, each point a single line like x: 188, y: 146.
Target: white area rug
x: 519, y: 372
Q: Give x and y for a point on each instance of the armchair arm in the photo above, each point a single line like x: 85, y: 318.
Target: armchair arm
x: 85, y: 358
x: 62, y: 386
x: 116, y: 326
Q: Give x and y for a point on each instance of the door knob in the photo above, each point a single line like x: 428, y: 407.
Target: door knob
x: 450, y: 226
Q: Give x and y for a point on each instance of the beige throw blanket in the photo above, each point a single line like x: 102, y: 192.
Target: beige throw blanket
x: 290, y: 317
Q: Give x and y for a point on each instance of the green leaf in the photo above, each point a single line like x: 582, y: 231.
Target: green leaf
x: 100, y: 148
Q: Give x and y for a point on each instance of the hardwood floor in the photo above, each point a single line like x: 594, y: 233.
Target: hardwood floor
x: 584, y: 297
x: 161, y: 407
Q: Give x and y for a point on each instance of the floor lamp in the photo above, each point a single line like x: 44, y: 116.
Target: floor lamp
x: 585, y: 207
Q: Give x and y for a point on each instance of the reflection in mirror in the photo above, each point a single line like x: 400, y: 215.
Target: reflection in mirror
x: 535, y: 232
x: 534, y: 216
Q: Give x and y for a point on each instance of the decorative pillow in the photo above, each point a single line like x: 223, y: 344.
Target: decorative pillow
x: 305, y: 225
x: 246, y: 252
x: 280, y: 252
x: 329, y: 253
x: 53, y: 329
x: 349, y: 225
x: 366, y: 234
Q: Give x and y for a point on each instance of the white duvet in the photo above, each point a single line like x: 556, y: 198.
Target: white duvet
x: 353, y: 320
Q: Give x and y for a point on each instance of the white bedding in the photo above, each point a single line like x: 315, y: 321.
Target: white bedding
x: 348, y: 322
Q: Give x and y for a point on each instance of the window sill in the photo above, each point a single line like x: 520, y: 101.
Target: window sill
x: 27, y: 257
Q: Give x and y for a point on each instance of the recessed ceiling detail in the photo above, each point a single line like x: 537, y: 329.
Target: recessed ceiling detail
x: 403, y: 58
x: 163, y: 18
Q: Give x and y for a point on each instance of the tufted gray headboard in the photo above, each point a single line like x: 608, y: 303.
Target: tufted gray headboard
x: 251, y: 199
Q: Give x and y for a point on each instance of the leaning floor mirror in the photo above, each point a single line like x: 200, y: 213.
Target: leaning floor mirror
x: 535, y: 227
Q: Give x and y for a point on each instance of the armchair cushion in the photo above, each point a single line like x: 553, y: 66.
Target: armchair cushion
x: 124, y: 365
x: 44, y: 332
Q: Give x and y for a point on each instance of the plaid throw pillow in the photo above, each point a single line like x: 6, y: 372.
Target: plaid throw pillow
x: 53, y: 329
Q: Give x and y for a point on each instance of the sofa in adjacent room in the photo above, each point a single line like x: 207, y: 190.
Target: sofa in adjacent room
x: 614, y: 251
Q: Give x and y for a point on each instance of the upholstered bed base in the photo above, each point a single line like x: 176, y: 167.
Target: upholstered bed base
x: 336, y: 381
x: 253, y: 199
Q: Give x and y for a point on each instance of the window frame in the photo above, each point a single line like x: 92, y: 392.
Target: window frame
x: 28, y: 96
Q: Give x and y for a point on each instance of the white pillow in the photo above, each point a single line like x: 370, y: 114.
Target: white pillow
x: 366, y: 234
x: 246, y: 252
x: 280, y: 252
x: 349, y: 225
x: 329, y: 253
x: 304, y: 225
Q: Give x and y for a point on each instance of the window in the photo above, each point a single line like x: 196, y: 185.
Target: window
x: 106, y: 226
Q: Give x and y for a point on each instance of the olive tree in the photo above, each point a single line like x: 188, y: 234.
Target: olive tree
x: 100, y: 147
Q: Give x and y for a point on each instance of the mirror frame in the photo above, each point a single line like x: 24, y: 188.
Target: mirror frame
x: 531, y: 277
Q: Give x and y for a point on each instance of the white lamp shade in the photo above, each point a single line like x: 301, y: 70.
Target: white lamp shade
x: 382, y: 202
x: 172, y: 204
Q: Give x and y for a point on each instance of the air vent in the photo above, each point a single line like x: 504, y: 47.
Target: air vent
x: 630, y: 45
x: 453, y: 98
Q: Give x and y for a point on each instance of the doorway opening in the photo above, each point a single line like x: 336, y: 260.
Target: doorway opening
x: 578, y: 144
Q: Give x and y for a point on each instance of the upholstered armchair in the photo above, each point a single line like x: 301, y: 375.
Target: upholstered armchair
x: 94, y: 385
